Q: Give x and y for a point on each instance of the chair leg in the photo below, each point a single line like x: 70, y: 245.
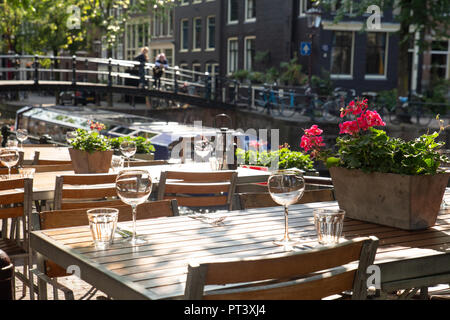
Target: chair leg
x: 14, y: 283
x: 43, y: 280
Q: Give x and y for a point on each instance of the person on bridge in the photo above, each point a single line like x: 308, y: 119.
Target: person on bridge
x: 158, y: 70
x: 142, y: 58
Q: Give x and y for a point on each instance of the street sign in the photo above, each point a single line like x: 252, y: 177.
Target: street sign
x: 305, y: 48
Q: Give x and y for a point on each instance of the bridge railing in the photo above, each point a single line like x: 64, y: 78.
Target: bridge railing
x: 76, y: 69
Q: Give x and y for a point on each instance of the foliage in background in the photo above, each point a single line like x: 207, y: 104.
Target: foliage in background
x: 142, y: 144
x: 292, y: 74
x: 322, y: 85
x: 286, y: 158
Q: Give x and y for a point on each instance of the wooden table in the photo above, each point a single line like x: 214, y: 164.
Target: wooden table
x: 46, y: 153
x: 44, y: 183
x: 157, y: 270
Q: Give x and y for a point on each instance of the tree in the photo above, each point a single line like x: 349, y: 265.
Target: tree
x: 425, y: 17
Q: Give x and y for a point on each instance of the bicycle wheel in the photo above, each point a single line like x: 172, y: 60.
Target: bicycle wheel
x: 329, y: 110
x: 286, y: 109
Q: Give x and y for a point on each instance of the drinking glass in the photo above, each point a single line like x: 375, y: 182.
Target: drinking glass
x: 329, y: 224
x: 22, y: 135
x: 128, y: 149
x: 117, y: 163
x: 134, y: 187
x: 286, y: 187
x: 12, y: 144
x: 103, y: 223
x: 202, y: 148
x: 9, y: 158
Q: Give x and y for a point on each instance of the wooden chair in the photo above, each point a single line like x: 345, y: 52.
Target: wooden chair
x: 51, y: 167
x: 261, y: 200
x: 74, y: 191
x: 78, y: 217
x: 15, y: 214
x: 198, y: 189
x: 306, y: 275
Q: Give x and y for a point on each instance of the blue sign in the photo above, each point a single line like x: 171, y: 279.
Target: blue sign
x: 305, y: 48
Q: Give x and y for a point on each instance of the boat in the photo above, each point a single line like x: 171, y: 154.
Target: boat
x: 56, y: 121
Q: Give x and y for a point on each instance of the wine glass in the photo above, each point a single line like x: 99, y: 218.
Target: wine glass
x: 22, y: 135
x: 9, y: 158
x: 286, y: 187
x: 134, y: 187
x: 202, y: 148
x: 128, y: 149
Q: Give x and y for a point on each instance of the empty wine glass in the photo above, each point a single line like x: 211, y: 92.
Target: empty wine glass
x: 117, y: 163
x: 202, y: 148
x: 134, y: 187
x: 286, y: 187
x: 9, y: 158
x: 128, y: 149
x: 22, y: 135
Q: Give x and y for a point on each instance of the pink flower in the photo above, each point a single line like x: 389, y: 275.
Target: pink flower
x: 350, y: 127
x: 314, y: 130
x: 306, y: 143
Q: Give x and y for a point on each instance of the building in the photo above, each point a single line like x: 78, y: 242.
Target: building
x: 224, y: 36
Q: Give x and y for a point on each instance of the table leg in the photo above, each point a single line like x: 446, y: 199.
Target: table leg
x: 42, y: 285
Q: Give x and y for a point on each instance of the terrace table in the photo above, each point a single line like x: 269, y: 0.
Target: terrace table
x: 46, y: 153
x: 157, y: 269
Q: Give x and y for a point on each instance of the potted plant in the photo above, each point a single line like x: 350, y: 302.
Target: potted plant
x: 91, y: 151
x: 381, y: 179
x: 144, y: 148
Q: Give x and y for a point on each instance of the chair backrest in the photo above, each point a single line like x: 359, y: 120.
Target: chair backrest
x: 260, y: 200
x: 198, y: 189
x: 78, y: 217
x: 15, y: 210
x: 287, y: 276
x: 71, y: 190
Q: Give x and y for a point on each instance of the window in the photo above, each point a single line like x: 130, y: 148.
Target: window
x: 184, y: 35
x: 250, y: 10
x: 249, y: 53
x: 212, y: 68
x: 232, y: 55
x: 211, y: 33
x: 342, y: 54
x: 197, y: 34
x: 439, y: 60
x: 376, y: 54
x: 196, y: 67
x: 136, y: 36
x: 303, y: 6
x: 233, y: 11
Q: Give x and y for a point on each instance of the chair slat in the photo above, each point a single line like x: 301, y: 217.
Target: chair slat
x: 13, y: 197
x: 94, y: 193
x: 284, y: 267
x: 199, y: 201
x: 90, y: 204
x: 205, y: 177
x: 15, y: 212
x: 186, y: 188
x: 81, y: 179
x: 11, y: 184
x: 311, y: 290
x: 261, y: 200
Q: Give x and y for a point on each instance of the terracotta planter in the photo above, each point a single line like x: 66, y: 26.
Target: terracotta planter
x: 95, y: 162
x: 401, y: 201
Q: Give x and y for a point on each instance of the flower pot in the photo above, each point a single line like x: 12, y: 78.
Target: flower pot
x: 400, y: 201
x: 95, y: 162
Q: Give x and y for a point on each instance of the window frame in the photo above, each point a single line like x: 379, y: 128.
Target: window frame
x: 386, y: 59
x: 247, y: 19
x: 352, y: 61
x: 182, y: 49
x: 245, y: 52
x: 229, y: 13
x: 194, y: 34
x: 229, y: 40
x: 208, y: 33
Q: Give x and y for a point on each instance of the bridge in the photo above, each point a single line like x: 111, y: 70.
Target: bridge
x: 133, y: 78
